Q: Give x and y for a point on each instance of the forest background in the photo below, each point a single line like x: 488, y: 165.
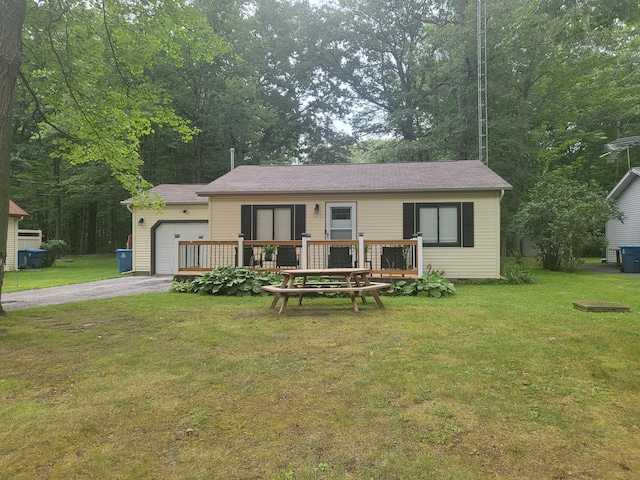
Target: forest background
x: 116, y: 95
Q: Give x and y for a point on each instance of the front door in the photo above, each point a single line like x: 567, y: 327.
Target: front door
x: 341, y: 221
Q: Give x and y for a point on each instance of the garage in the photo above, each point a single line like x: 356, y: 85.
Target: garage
x: 165, y: 238
x: 157, y: 229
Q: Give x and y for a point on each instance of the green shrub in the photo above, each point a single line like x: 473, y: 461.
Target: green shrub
x: 54, y: 250
x: 516, y: 274
x: 432, y: 284
x: 227, y: 281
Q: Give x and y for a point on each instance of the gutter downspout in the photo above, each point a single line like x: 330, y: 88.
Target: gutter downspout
x: 501, y: 248
x: 133, y: 238
x: 502, y: 242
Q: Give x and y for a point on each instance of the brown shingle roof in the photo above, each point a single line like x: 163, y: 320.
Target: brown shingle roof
x: 176, y: 194
x: 16, y: 211
x: 364, y: 177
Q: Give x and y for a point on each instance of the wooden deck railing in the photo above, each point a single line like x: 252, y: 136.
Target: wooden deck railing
x: 385, y: 258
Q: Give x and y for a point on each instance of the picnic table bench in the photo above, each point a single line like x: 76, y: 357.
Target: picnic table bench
x: 353, y: 282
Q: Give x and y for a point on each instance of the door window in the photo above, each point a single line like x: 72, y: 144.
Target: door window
x: 341, y: 221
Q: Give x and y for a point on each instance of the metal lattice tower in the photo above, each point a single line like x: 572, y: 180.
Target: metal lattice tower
x: 483, y: 121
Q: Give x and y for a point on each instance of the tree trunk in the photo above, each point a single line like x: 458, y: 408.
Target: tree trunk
x: 11, y: 20
x: 92, y: 225
x: 58, y: 198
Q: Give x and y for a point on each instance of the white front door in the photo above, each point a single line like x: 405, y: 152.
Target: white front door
x: 341, y: 221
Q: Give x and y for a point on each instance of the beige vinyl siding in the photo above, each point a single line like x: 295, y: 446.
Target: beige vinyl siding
x: 379, y: 217
x: 12, y: 244
x: 141, y: 258
x: 480, y: 261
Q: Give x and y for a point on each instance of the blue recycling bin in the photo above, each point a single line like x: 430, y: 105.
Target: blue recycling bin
x: 124, y: 259
x: 630, y: 258
x: 32, y: 258
x: 22, y: 259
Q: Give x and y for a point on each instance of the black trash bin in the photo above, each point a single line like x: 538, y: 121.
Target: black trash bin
x: 124, y: 259
x: 34, y: 257
x: 630, y: 257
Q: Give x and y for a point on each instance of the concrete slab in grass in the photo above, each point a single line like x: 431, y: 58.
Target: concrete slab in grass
x: 600, y: 307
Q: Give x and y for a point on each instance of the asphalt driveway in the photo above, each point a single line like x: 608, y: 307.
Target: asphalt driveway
x: 606, y: 268
x: 117, y: 287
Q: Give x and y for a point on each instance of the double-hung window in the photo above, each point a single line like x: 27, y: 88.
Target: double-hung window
x: 441, y: 224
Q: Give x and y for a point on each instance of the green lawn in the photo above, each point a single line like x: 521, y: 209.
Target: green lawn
x: 69, y: 270
x: 500, y: 382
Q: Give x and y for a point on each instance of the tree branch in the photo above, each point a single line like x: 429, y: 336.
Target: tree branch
x: 38, y: 107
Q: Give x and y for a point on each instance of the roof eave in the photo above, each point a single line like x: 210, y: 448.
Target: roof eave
x: 183, y: 202
x: 623, y: 183
x: 367, y: 191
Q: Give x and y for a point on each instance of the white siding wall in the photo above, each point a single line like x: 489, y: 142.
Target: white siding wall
x: 142, y: 233
x: 29, y: 239
x: 619, y: 233
x: 379, y: 217
x: 12, y: 244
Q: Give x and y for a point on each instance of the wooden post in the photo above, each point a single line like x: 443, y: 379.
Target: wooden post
x: 419, y: 259
x: 304, y: 254
x: 240, y: 259
x: 361, y: 252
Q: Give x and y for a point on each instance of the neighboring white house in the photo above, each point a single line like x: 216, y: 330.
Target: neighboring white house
x: 15, y: 215
x: 627, y: 194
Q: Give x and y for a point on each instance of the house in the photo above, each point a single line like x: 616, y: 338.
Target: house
x: 15, y: 215
x: 627, y: 194
x: 155, y: 233
x: 455, y: 205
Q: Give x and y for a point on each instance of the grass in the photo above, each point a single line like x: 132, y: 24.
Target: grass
x: 70, y: 270
x: 498, y: 381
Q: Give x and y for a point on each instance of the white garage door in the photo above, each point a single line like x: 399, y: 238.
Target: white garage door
x: 167, y: 236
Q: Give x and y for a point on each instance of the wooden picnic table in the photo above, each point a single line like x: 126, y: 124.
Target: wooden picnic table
x: 351, y: 281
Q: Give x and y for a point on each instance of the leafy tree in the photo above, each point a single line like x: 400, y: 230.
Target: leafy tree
x: 560, y: 76
x: 381, y: 56
x: 11, y: 20
x: 88, y: 100
x: 279, y: 47
x: 88, y: 67
x: 563, y: 217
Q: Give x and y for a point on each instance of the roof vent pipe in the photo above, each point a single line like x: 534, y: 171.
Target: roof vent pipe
x: 233, y: 157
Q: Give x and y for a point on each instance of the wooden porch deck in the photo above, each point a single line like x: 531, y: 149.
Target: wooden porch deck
x: 384, y: 258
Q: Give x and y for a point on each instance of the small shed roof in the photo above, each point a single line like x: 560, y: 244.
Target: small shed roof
x: 16, y: 211
x: 629, y: 177
x: 470, y: 175
x: 176, y: 194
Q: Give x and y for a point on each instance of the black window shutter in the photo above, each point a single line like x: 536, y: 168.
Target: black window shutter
x: 408, y: 220
x: 246, y: 221
x: 299, y: 222
x: 467, y: 225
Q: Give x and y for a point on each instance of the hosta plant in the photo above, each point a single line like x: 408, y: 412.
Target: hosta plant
x: 228, y: 281
x: 432, y: 284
